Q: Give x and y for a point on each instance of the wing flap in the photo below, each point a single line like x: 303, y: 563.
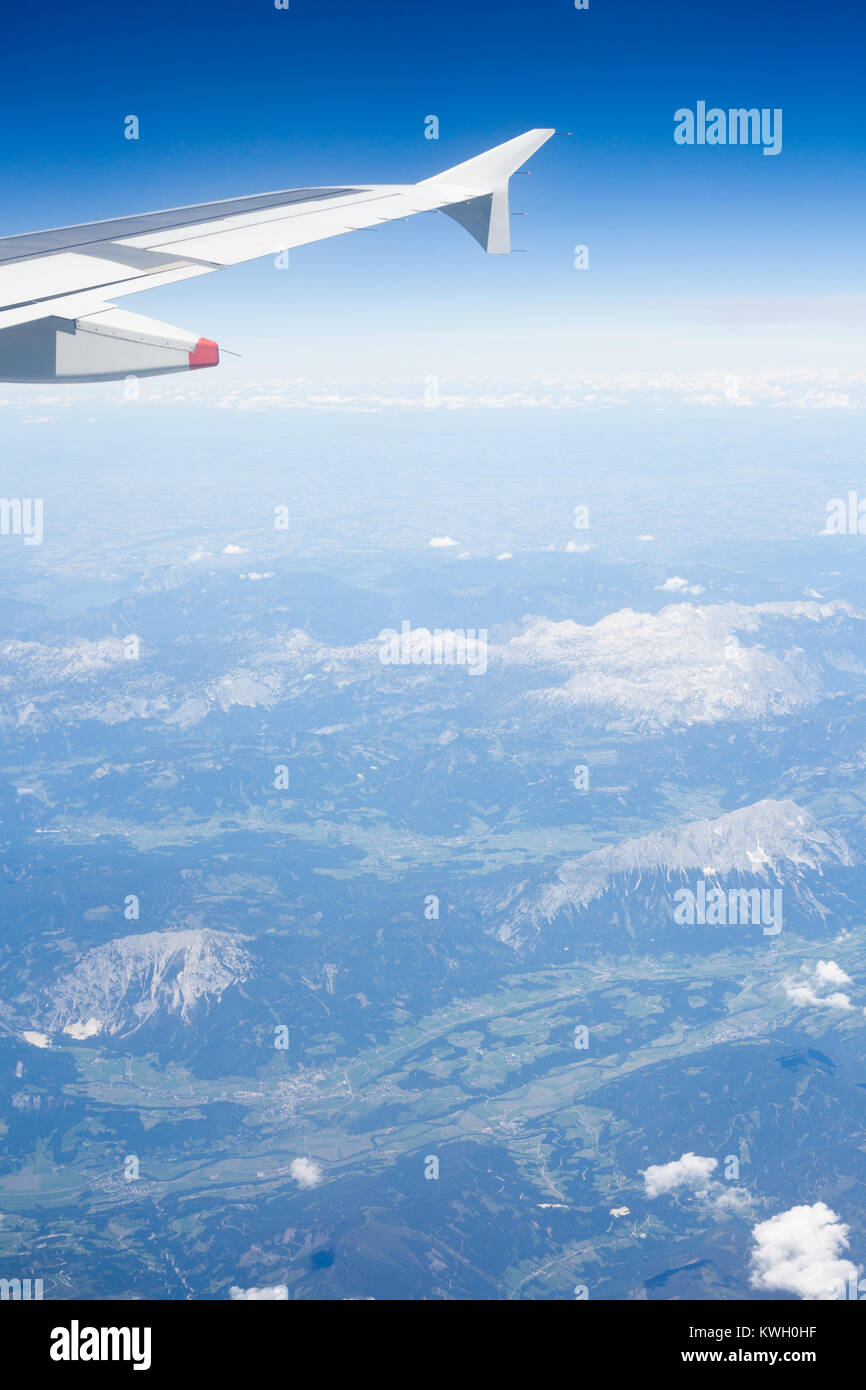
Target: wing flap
x: 77, y: 303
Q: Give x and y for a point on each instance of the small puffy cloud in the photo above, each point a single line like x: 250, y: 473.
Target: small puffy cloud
x: 274, y: 1292
x: 646, y: 537
x: 305, y: 1172
x: 506, y: 555
x: 677, y: 585
x: 441, y: 542
x: 36, y: 1039
x: 573, y: 548
x: 233, y: 549
x: 731, y: 1201
x: 828, y: 972
x: 800, y: 1251
x: 813, y: 987
x: 691, y: 1171
x: 694, y: 1173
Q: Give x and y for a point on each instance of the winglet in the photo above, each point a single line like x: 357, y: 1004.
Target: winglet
x: 480, y: 189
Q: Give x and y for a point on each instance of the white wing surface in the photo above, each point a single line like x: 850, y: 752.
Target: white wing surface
x: 58, y: 320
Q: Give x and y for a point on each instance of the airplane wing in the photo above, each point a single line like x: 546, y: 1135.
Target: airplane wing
x: 58, y: 320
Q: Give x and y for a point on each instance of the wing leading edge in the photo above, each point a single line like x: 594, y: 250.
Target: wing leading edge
x: 67, y: 279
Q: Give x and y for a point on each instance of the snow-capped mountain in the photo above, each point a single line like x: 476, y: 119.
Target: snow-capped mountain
x: 117, y: 987
x: 686, y: 664
x: 769, y: 842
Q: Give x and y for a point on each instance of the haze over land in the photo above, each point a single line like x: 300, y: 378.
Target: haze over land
x: 286, y: 921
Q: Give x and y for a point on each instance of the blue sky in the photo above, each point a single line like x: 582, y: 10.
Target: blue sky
x: 698, y: 257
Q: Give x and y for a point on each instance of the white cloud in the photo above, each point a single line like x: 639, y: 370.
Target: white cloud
x: 694, y: 1173
x: 806, y: 989
x: 506, y: 555
x: 233, y: 549
x: 829, y: 973
x: 677, y: 585
x: 440, y: 542
x: 305, y: 1172
x: 37, y: 1039
x: 254, y: 1295
x: 691, y: 1171
x: 822, y: 388
x: 731, y: 1201
x: 799, y: 1251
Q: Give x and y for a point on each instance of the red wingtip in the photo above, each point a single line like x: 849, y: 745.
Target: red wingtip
x: 204, y: 354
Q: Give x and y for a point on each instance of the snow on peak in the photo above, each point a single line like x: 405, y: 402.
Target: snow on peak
x: 767, y: 838
x: 680, y: 666
x: 118, y: 986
